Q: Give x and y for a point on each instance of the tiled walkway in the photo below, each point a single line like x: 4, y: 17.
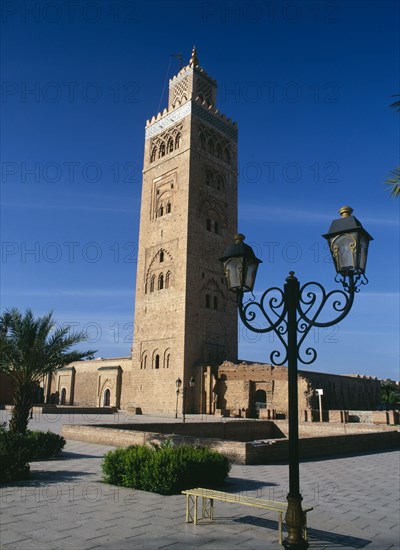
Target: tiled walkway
x: 66, y: 506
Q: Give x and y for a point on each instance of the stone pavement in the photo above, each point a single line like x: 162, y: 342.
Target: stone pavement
x: 66, y: 506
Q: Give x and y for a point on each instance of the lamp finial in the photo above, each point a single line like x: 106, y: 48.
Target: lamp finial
x: 346, y: 211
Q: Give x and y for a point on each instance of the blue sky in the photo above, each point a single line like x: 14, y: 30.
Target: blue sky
x: 309, y: 84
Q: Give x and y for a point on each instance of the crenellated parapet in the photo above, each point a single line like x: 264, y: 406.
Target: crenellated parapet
x: 192, y: 90
x: 211, y: 115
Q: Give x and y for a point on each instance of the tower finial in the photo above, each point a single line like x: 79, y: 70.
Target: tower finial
x: 194, y: 62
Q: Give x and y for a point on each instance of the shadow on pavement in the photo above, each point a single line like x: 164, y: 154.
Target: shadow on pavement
x: 69, y: 454
x: 59, y: 476
x: 238, y: 484
x: 315, y: 536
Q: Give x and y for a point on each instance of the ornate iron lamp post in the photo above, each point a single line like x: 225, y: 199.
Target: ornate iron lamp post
x: 291, y: 314
x: 178, y: 384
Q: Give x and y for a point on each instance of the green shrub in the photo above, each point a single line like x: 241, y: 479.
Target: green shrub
x: 44, y: 445
x: 14, y: 456
x: 17, y: 450
x: 165, y: 470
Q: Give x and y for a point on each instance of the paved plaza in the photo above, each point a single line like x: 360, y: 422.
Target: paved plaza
x: 66, y: 506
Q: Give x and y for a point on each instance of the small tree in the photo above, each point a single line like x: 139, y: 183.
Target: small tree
x: 31, y: 348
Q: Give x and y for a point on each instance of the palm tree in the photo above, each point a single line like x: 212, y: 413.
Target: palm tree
x: 394, y: 179
x: 30, y: 349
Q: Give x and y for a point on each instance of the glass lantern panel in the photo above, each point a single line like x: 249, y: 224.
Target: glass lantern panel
x: 233, y: 273
x: 363, y: 251
x: 250, y: 275
x: 344, y: 251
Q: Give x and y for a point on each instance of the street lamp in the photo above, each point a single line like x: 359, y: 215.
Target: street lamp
x: 320, y: 393
x: 178, y: 384
x: 291, y: 314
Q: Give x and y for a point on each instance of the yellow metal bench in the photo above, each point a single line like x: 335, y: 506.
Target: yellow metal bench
x: 207, y: 505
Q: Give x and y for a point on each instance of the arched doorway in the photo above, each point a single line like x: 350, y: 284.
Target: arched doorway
x: 63, y: 396
x: 106, y: 398
x: 260, y: 398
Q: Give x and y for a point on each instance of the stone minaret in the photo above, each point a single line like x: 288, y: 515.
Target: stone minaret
x: 184, y: 318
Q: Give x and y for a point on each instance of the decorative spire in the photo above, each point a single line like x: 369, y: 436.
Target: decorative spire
x: 194, y: 62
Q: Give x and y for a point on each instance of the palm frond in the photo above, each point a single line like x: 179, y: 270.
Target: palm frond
x: 393, y: 182
x: 396, y: 104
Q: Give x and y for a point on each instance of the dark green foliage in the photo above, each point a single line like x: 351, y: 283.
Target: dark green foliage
x: 14, y: 456
x: 44, y: 445
x: 17, y: 450
x: 165, y: 470
x: 390, y: 392
x: 31, y: 348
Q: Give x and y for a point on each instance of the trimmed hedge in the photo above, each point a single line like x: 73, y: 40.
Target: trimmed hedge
x: 17, y: 450
x: 166, y: 470
x: 44, y: 445
x: 14, y: 456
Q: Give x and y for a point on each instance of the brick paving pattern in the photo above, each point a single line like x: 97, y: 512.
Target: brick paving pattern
x: 66, y: 506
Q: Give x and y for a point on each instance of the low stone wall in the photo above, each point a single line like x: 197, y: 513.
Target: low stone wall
x: 317, y: 447
x: 65, y: 409
x: 234, y: 450
x: 245, y: 430
x: 264, y: 451
x: 317, y: 429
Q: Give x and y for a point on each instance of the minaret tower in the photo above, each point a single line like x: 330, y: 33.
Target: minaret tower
x: 184, y: 319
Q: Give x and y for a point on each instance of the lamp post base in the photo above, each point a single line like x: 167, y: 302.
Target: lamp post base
x: 295, y: 521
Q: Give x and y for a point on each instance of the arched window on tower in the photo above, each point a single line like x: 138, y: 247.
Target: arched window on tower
x: 157, y: 362
x: 177, y: 141
x: 202, y: 141
x: 152, y: 282
x: 153, y: 154
x: 215, y: 302
x: 160, y: 281
x: 208, y: 224
x: 227, y: 157
x: 161, y: 152
x: 161, y: 211
x: 167, y: 279
x: 219, y: 151
x: 210, y: 146
x: 168, y: 209
x: 161, y: 256
x: 209, y: 178
x: 167, y: 360
x: 208, y: 301
x: 216, y: 228
x: 170, y: 145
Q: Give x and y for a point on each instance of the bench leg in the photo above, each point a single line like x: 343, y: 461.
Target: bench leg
x: 280, y: 527
x: 195, y: 511
x: 207, y: 507
x: 305, y: 526
x: 189, y: 509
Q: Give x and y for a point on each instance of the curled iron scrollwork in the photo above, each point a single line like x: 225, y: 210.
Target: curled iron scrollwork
x: 270, y: 315
x: 313, y: 300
